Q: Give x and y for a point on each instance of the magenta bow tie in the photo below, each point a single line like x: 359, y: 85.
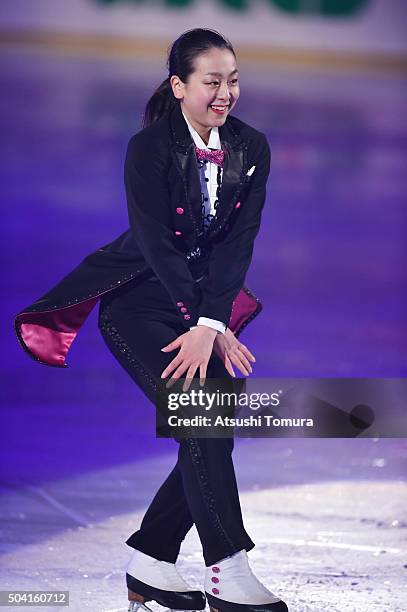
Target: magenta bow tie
x: 217, y: 157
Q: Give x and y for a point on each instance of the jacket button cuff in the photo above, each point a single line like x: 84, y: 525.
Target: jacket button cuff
x: 184, y: 309
x: 237, y: 205
x: 180, y: 210
x: 187, y: 317
x: 178, y: 233
x: 180, y: 304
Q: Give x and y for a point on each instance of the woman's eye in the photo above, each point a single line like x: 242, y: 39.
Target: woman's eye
x: 234, y: 81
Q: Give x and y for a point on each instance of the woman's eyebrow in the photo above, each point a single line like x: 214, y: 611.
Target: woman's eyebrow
x: 220, y: 74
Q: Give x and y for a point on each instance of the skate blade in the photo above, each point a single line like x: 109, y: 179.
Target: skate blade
x: 138, y: 606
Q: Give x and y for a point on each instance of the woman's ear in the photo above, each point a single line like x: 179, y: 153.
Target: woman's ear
x: 177, y: 86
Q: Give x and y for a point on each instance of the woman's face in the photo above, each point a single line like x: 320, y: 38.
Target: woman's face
x: 213, y: 83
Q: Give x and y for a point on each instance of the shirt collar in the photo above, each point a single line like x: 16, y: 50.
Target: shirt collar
x: 214, y: 139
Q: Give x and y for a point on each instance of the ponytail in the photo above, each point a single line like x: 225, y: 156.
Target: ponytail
x: 161, y: 102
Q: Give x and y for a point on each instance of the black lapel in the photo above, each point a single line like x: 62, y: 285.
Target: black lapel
x: 234, y: 169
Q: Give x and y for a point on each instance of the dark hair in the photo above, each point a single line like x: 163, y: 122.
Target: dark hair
x: 180, y: 61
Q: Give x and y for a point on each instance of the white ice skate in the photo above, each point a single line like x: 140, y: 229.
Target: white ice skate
x: 149, y: 579
x: 231, y: 586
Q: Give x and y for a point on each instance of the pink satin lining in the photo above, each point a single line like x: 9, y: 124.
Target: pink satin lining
x: 49, y: 335
x: 243, y: 307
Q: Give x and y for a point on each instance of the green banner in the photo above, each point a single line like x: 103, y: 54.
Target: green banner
x: 331, y: 8
x: 320, y: 7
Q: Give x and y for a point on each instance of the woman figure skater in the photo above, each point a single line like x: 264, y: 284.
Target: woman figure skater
x: 195, y: 181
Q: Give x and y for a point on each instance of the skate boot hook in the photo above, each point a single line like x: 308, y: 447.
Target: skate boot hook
x: 231, y: 586
x: 149, y: 579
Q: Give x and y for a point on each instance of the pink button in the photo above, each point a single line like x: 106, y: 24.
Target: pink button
x: 180, y: 303
x: 237, y: 205
x: 216, y: 569
x: 180, y: 211
x: 215, y: 591
x: 178, y: 233
x: 184, y: 309
x: 214, y: 579
x: 187, y: 317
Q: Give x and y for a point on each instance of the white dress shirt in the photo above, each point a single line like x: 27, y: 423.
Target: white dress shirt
x: 208, y: 179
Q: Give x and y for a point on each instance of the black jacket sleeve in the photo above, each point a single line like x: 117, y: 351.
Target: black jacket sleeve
x: 148, y: 203
x: 231, y: 257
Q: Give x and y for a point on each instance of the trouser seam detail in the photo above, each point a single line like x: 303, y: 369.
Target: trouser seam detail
x: 207, y: 494
x: 106, y: 325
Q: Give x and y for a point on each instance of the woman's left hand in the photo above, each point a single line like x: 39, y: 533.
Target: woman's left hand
x: 230, y: 350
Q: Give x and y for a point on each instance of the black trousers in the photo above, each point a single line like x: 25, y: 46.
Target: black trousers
x: 136, y: 321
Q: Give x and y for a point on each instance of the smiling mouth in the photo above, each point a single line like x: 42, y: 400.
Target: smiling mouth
x: 219, y: 108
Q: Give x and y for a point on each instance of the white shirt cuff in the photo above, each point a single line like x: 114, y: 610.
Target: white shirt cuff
x: 213, y: 323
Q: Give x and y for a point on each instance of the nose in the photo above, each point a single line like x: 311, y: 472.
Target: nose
x: 223, y: 93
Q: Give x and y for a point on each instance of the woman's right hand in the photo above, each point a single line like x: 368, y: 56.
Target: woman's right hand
x: 230, y: 350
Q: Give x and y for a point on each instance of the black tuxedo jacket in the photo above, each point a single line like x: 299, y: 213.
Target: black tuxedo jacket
x: 164, y: 208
